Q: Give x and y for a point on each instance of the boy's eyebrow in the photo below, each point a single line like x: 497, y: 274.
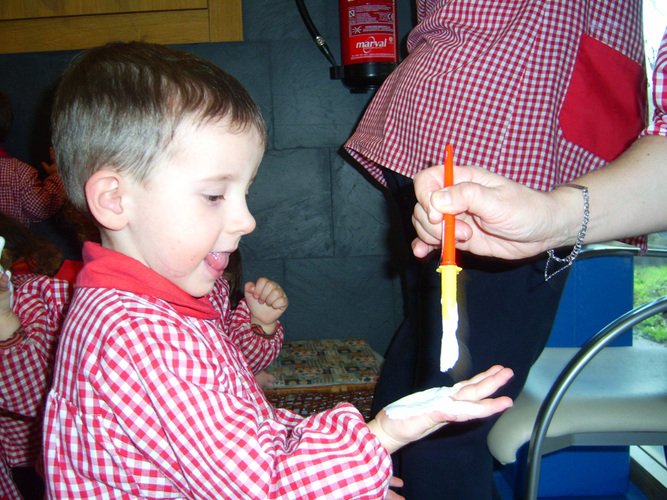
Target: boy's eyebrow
x: 218, y: 178
x: 227, y: 177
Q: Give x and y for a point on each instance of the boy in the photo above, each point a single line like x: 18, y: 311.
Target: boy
x: 152, y: 396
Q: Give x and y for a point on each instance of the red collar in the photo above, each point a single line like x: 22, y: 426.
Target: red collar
x: 3, y: 153
x: 69, y: 270
x: 105, y: 268
x: 21, y: 267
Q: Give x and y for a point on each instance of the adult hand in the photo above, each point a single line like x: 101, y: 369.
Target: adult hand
x: 495, y: 216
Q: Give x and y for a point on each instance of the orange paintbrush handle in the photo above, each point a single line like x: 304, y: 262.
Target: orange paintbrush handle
x: 449, y: 241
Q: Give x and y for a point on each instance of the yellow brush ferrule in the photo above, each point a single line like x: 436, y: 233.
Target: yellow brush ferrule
x: 448, y: 277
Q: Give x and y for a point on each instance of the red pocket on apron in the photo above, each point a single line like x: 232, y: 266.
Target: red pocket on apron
x: 605, y: 106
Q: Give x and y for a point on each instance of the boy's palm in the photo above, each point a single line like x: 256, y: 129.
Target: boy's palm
x: 477, y: 390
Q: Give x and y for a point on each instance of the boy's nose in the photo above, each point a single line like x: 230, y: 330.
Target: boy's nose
x: 244, y: 222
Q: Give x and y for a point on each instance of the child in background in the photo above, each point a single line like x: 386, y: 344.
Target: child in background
x: 43, y: 284
x: 23, y: 196
x: 153, y: 394
x: 9, y: 323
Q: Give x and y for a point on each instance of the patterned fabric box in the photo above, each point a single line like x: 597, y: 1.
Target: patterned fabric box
x: 315, y: 375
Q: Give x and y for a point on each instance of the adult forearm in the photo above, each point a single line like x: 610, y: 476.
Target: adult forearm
x: 501, y: 218
x: 627, y: 196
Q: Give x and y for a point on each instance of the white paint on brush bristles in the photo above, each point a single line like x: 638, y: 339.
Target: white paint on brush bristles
x: 449, y: 350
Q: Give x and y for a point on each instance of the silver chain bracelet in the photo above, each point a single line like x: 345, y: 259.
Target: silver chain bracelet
x: 580, y: 238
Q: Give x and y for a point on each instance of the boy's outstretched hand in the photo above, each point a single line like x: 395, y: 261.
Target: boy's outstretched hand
x: 394, y: 433
x: 266, y: 303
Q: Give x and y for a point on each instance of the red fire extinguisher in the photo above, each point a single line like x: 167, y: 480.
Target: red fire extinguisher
x: 369, y: 42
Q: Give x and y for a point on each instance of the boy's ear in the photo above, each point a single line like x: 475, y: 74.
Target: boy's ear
x: 104, y: 193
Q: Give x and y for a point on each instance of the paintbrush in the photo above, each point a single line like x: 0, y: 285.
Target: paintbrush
x: 449, y: 353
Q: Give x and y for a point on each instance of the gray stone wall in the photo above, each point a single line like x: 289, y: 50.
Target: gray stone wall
x: 324, y: 229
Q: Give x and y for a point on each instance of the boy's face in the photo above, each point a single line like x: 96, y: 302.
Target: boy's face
x: 193, y: 212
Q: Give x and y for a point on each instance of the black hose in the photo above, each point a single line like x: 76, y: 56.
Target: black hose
x: 317, y: 38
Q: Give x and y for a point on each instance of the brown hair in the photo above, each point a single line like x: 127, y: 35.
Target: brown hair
x: 234, y: 276
x: 40, y: 255
x: 81, y: 221
x: 118, y: 106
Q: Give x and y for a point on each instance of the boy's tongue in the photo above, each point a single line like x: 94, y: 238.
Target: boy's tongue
x: 217, y: 260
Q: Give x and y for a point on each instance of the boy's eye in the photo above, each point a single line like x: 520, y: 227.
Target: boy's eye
x: 213, y: 198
